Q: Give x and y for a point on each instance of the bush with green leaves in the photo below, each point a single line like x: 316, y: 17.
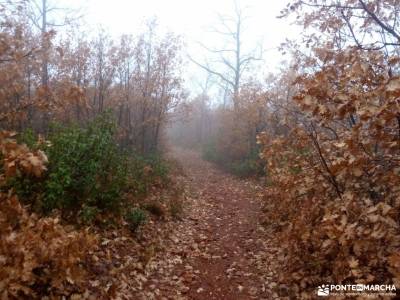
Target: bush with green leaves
x: 87, y: 171
x: 144, y: 171
x: 88, y: 214
x: 135, y: 218
x: 210, y: 152
x: 246, y: 166
x: 28, y: 137
x: 85, y: 168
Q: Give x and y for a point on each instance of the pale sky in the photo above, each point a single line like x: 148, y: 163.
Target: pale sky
x: 193, y: 20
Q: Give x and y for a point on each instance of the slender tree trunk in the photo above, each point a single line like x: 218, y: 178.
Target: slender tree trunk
x: 45, y: 64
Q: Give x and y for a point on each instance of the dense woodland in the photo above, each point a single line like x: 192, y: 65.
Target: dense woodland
x: 88, y: 121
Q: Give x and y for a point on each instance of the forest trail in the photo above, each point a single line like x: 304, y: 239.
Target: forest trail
x: 218, y: 250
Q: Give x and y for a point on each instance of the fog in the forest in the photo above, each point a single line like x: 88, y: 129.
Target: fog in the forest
x: 226, y: 149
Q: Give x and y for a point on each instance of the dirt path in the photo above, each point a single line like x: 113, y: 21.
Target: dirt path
x: 219, y: 250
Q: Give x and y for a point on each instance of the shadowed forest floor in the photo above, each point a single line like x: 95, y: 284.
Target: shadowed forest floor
x: 218, y: 250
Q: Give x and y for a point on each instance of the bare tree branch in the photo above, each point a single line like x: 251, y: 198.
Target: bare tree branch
x: 208, y: 69
x: 378, y: 21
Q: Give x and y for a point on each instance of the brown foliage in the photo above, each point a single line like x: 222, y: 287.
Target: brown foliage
x: 332, y: 192
x: 334, y: 178
x: 45, y: 77
x: 38, y: 256
x: 19, y: 159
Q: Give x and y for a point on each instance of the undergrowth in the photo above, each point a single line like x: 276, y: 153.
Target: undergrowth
x: 243, y: 166
x: 87, y: 171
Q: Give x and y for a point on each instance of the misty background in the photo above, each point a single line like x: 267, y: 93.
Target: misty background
x: 198, y: 24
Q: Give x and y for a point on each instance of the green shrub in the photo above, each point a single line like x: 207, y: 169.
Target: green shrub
x: 135, y: 218
x: 143, y: 172
x: 85, y: 166
x: 210, y: 152
x: 248, y: 165
x: 87, y: 169
x: 244, y: 168
x: 158, y: 165
x: 28, y: 137
x: 88, y: 214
